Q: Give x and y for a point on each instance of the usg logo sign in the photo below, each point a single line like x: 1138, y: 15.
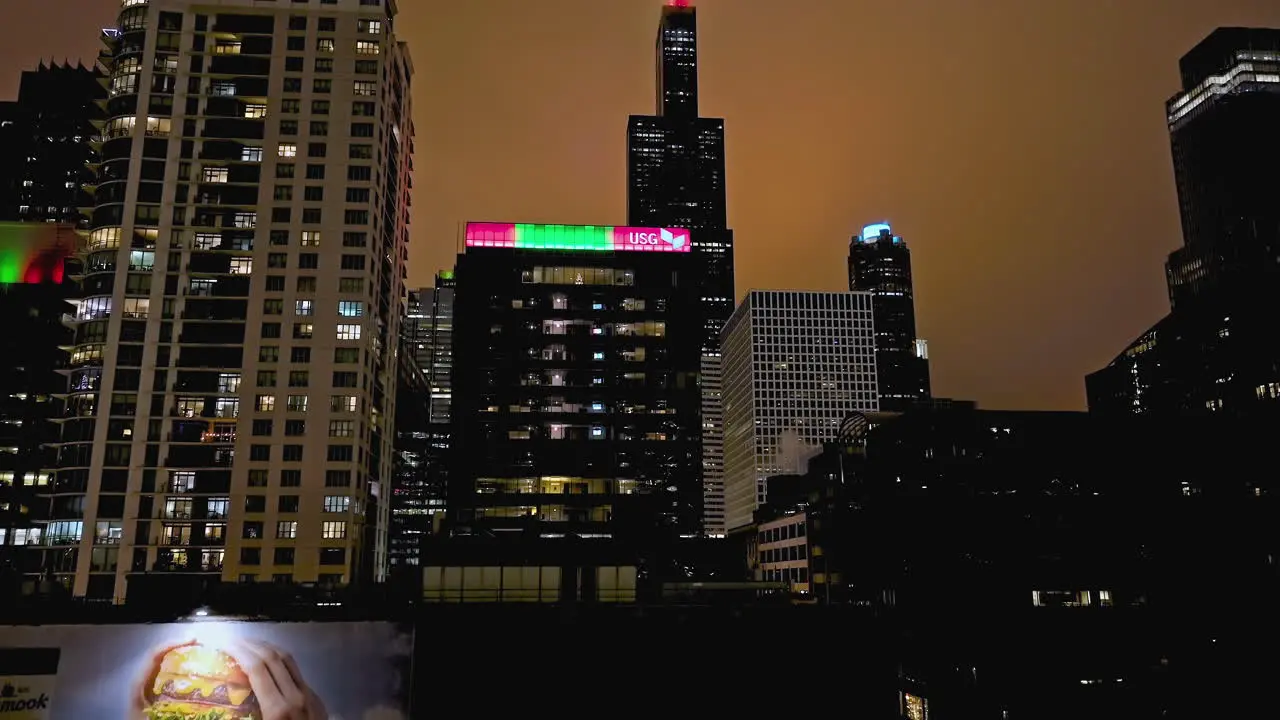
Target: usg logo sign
x: 651, y: 239
x: 675, y: 239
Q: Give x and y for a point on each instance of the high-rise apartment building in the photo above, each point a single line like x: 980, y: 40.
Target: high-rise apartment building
x: 45, y: 153
x: 575, y: 393
x: 676, y: 178
x: 233, y: 371
x: 796, y: 364
x: 880, y: 263
x: 1217, y: 351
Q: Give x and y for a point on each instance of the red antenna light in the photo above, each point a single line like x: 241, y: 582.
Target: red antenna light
x: 680, y: 3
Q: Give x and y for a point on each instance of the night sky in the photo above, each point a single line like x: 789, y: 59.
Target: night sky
x: 1018, y: 146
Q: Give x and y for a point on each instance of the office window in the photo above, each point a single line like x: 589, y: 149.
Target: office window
x: 349, y: 332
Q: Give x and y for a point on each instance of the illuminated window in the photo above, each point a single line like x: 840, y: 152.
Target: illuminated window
x: 104, y: 239
x: 288, y: 150
x: 334, y: 530
x: 255, y: 111
x: 304, y: 307
x: 342, y: 428
x: 324, y: 45
x: 366, y: 88
x: 365, y: 47
x: 310, y: 238
x: 287, y: 530
x: 227, y: 47
x: 349, y: 332
x: 241, y: 266
x: 351, y: 308
x: 245, y: 220
x: 297, y: 403
x: 251, y: 154
x: 337, y: 503
x: 371, y: 27
x: 343, y: 403
x: 215, y: 175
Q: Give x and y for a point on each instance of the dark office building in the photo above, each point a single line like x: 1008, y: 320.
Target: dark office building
x: 45, y: 151
x: 428, y: 331
x: 575, y: 393
x: 1219, y: 348
x: 880, y: 263
x: 411, y: 488
x: 1038, y: 564
x: 35, y: 290
x: 675, y: 162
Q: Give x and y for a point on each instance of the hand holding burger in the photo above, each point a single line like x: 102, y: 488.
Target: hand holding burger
x: 249, y: 681
x: 282, y: 692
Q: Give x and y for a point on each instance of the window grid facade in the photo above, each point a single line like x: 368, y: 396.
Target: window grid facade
x: 795, y: 365
x: 199, y: 407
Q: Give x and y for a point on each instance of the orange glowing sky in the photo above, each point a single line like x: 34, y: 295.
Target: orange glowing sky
x: 1019, y: 147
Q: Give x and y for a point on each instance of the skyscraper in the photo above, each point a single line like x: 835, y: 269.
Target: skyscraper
x: 1226, y: 151
x: 880, y: 263
x: 796, y: 364
x: 233, y: 371
x: 428, y: 336
x: 676, y: 178
x: 1218, y: 349
x: 45, y: 153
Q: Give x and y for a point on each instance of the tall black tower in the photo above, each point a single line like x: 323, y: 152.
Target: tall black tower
x: 880, y: 263
x: 1224, y: 129
x: 675, y: 163
x: 45, y: 149
x: 1218, y: 350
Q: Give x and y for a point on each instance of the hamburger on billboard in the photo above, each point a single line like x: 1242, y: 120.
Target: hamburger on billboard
x: 207, y: 670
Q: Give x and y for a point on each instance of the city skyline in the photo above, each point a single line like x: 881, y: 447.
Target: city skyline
x: 1061, y: 198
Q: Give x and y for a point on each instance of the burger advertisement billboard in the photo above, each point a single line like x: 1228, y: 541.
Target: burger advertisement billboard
x: 206, y: 670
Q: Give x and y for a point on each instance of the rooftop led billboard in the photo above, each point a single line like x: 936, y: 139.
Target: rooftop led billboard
x: 207, y: 670
x: 577, y: 237
x: 34, y: 252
